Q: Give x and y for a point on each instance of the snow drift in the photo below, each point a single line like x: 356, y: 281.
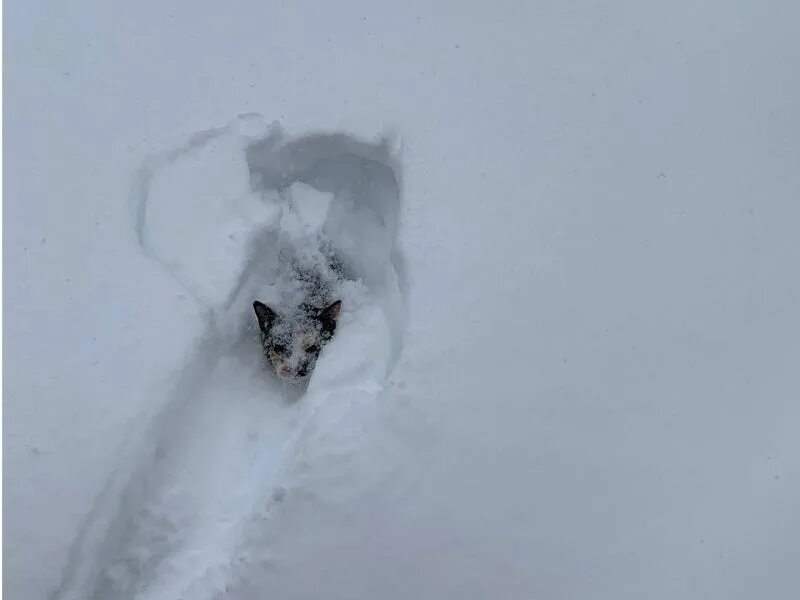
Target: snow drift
x: 175, y: 519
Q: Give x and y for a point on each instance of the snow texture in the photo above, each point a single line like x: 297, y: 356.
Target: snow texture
x: 566, y: 364
x: 173, y: 520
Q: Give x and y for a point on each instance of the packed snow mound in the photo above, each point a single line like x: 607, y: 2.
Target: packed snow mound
x: 199, y: 481
x: 198, y: 215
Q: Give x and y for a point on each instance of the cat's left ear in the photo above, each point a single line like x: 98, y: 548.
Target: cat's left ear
x: 329, y: 315
x: 266, y: 316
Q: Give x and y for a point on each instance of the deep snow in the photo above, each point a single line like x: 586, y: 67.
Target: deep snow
x: 217, y: 214
x: 572, y: 373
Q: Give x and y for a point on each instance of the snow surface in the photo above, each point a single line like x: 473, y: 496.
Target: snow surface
x: 569, y: 368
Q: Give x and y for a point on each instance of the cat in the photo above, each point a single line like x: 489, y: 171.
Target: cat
x: 293, y: 336
x: 293, y: 340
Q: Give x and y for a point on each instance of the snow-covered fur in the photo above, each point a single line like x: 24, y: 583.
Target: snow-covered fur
x: 293, y: 335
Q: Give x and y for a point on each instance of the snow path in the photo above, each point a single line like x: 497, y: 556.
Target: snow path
x: 174, y: 519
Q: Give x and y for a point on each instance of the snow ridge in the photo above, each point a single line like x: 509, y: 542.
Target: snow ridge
x: 174, y: 518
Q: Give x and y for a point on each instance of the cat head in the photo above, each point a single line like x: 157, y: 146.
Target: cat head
x: 292, y: 342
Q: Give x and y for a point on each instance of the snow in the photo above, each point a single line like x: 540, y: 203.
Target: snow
x: 568, y: 368
x: 172, y: 522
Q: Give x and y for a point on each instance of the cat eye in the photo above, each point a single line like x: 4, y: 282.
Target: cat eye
x: 312, y: 349
x: 279, y: 348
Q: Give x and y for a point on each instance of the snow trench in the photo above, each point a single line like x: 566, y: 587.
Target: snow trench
x: 210, y: 464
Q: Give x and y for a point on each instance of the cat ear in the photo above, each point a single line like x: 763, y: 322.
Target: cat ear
x: 266, y: 316
x: 328, y: 315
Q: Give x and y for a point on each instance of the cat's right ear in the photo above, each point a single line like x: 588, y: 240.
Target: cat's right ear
x: 266, y: 316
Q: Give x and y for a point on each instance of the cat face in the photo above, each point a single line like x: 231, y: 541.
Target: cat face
x: 292, y: 343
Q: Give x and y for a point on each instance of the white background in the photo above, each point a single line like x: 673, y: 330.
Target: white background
x: 598, y: 392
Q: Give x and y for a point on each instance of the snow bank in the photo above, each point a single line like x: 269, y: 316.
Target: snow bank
x: 594, y: 385
x: 173, y: 522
